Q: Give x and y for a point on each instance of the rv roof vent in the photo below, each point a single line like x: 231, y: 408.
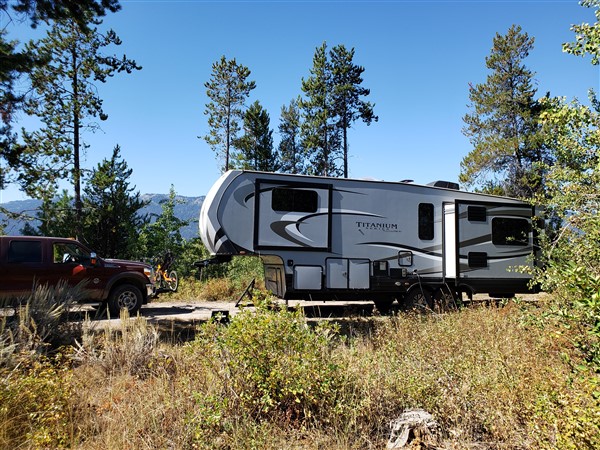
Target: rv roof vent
x: 407, y: 181
x: 444, y: 184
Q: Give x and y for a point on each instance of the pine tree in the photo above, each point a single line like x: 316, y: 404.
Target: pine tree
x: 291, y: 152
x: 333, y: 102
x: 47, y: 10
x: 112, y: 218
x: 503, y: 123
x: 320, y: 136
x: 15, y: 63
x: 348, y: 105
x: 256, y: 146
x: 163, y: 235
x: 67, y: 102
x: 56, y: 216
x: 227, y: 90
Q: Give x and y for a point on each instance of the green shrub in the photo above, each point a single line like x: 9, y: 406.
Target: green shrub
x: 34, y: 404
x: 243, y: 269
x: 272, y: 366
x: 568, y: 417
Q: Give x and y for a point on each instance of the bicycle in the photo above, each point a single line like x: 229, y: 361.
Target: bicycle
x: 164, y: 278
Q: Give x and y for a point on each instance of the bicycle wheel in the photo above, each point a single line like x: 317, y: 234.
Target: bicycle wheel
x: 172, y: 281
x: 158, y: 279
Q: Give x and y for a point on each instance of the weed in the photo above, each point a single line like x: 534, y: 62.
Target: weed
x: 39, y: 323
x: 492, y: 378
x: 34, y: 403
x: 131, y: 349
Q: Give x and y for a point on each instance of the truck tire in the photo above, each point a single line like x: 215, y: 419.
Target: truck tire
x: 124, y: 296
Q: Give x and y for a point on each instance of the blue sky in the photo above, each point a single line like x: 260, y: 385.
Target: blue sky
x: 419, y: 58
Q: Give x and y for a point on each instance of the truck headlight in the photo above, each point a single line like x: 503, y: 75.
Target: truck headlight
x: 149, y: 272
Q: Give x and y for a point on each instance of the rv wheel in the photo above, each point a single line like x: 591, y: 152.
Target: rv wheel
x: 418, y: 299
x: 444, y: 299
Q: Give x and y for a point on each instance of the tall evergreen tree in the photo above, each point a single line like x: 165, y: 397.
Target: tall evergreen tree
x: 14, y: 63
x: 227, y: 89
x: 163, y: 235
x: 45, y: 10
x: 67, y: 102
x: 320, y: 136
x: 291, y: 152
x: 56, y: 217
x: 503, y: 123
x: 112, y: 218
x: 347, y: 93
x: 256, y: 145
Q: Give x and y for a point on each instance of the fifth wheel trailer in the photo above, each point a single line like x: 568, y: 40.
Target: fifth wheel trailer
x: 329, y: 238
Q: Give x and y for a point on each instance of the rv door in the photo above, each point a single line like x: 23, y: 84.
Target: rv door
x: 449, y: 241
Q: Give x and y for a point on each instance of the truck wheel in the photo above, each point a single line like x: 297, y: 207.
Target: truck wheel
x: 125, y: 296
x: 418, y: 299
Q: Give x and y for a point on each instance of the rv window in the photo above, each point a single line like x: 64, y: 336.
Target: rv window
x: 476, y: 214
x: 294, y: 200
x: 507, y: 231
x: 25, y: 252
x: 405, y: 258
x: 478, y: 260
x: 426, y: 221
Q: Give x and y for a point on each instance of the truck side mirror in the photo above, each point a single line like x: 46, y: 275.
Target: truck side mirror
x: 93, y: 258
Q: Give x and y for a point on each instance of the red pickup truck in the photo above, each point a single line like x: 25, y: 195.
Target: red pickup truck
x: 25, y: 260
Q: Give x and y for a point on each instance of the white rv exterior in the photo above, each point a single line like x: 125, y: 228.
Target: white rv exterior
x: 332, y: 238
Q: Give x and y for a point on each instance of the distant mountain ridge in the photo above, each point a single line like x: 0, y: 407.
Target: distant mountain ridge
x: 186, y: 208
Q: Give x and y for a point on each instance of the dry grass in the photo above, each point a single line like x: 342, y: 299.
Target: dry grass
x: 212, y: 289
x: 493, y: 378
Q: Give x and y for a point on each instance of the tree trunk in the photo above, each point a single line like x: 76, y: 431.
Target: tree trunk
x: 76, y: 145
x: 345, y: 126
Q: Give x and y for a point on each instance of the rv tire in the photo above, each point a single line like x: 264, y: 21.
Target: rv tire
x: 444, y: 299
x: 418, y: 299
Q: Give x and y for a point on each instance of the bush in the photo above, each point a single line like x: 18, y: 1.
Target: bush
x: 132, y: 349
x: 272, y: 366
x: 569, y: 417
x: 218, y: 289
x: 39, y: 323
x: 34, y: 404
